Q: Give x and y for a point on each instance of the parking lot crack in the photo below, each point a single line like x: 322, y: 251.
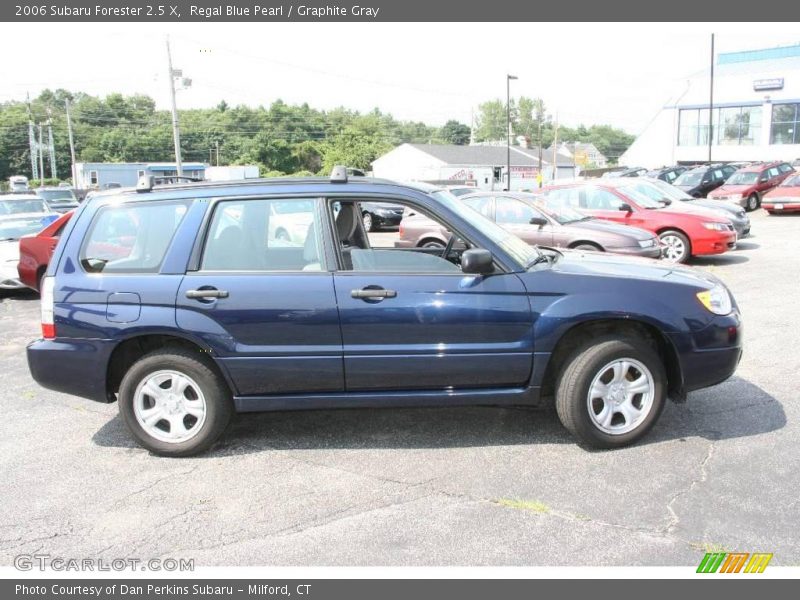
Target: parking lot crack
x: 702, y: 477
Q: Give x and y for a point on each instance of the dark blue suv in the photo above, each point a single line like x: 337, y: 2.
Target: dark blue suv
x: 189, y: 302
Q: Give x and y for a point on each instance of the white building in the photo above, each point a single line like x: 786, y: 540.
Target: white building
x: 484, y: 167
x: 756, y: 113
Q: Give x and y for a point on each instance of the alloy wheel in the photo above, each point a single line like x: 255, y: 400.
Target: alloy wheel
x: 169, y: 406
x: 675, y: 248
x: 621, y: 396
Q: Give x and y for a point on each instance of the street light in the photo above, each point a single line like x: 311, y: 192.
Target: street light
x: 508, y: 129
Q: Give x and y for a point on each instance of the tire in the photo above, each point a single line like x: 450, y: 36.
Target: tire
x: 207, y: 387
x: 581, y: 412
x: 679, y: 249
x: 369, y: 222
x: 432, y: 244
x: 587, y: 248
x: 753, y: 202
x: 283, y: 235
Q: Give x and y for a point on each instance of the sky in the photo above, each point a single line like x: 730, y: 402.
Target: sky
x: 590, y: 73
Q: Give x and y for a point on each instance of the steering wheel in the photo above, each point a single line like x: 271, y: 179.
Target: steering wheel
x: 449, y: 247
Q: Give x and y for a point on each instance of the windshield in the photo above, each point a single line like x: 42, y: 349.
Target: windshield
x: 13, y: 229
x: 560, y: 212
x: 17, y: 207
x: 641, y: 199
x: 742, y: 178
x: 690, y: 178
x: 793, y: 181
x: 670, y: 191
x: 56, y: 195
x: 519, y: 251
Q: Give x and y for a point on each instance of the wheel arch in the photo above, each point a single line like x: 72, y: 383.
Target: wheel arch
x: 577, y: 243
x: 131, y: 349
x: 580, y: 333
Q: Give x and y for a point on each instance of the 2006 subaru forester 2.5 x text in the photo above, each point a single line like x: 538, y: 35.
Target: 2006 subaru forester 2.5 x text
x: 190, y: 302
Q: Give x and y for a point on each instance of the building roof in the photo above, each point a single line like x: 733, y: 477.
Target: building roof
x: 479, y: 156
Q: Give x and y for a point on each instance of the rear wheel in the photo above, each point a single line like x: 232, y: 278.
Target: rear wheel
x: 174, y: 402
x: 677, y: 246
x: 753, y: 202
x: 611, y: 391
x: 432, y: 244
x: 586, y: 247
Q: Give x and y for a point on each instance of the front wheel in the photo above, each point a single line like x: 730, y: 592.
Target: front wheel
x: 611, y: 392
x: 369, y: 222
x: 677, y: 248
x: 174, y: 402
x: 752, y: 202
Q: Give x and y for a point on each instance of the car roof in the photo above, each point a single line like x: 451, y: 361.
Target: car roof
x: 26, y: 196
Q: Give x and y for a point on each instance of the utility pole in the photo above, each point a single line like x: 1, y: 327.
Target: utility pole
x: 541, y: 175
x: 41, y: 158
x: 51, y: 145
x: 711, y: 103
x: 508, y: 129
x: 555, y: 150
x: 32, y: 142
x: 176, y: 134
x: 71, y: 146
x: 217, y: 143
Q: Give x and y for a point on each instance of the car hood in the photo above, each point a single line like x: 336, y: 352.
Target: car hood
x: 690, y: 208
x: 732, y: 189
x: 627, y: 267
x: 612, y: 228
x: 716, y: 205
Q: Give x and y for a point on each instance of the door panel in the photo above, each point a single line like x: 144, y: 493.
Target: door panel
x: 435, y: 331
x: 271, y: 331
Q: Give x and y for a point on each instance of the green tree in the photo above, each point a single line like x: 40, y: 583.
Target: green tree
x: 454, y: 132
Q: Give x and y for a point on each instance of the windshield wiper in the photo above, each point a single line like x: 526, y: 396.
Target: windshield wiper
x: 539, y: 259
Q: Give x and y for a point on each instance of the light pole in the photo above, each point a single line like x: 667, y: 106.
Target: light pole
x: 508, y: 129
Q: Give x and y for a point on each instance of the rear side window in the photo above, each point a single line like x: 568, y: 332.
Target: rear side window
x: 131, y: 238
x: 264, y: 235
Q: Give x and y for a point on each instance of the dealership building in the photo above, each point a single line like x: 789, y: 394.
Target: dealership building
x: 755, y: 114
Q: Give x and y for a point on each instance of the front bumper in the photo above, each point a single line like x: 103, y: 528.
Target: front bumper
x: 651, y: 252
x: 713, y: 243
x: 710, y: 355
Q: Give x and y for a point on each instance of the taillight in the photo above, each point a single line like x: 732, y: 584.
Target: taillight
x: 48, y: 306
x: 402, y: 229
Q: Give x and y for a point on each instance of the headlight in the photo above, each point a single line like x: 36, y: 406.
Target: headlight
x: 647, y: 243
x: 717, y: 300
x: 716, y: 226
x: 734, y: 196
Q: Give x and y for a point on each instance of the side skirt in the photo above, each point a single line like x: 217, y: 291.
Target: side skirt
x: 415, y: 398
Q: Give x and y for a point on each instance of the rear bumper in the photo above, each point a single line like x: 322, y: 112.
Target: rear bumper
x: 781, y: 207
x: 76, y: 367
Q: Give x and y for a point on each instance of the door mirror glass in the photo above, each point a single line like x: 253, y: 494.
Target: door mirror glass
x: 540, y: 221
x: 477, y: 261
x: 626, y: 207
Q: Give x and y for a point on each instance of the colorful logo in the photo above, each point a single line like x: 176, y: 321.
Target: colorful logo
x: 734, y: 562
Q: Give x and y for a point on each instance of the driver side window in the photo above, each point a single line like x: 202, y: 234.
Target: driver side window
x: 406, y: 241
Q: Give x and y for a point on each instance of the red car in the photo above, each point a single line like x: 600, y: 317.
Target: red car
x: 748, y: 185
x: 685, y: 233
x: 784, y: 198
x: 35, y: 252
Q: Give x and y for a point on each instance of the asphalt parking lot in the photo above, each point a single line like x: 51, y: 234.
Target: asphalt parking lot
x: 467, y: 486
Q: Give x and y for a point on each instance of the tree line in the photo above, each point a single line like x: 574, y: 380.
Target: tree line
x: 280, y: 138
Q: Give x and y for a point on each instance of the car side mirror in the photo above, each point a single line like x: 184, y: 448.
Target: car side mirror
x: 626, y: 207
x: 540, y: 221
x: 477, y: 261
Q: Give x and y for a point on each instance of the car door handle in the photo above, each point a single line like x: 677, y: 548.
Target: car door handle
x: 373, y: 293
x: 206, y: 293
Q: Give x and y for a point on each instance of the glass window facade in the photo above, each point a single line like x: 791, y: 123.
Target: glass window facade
x: 785, y: 121
x: 733, y: 125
